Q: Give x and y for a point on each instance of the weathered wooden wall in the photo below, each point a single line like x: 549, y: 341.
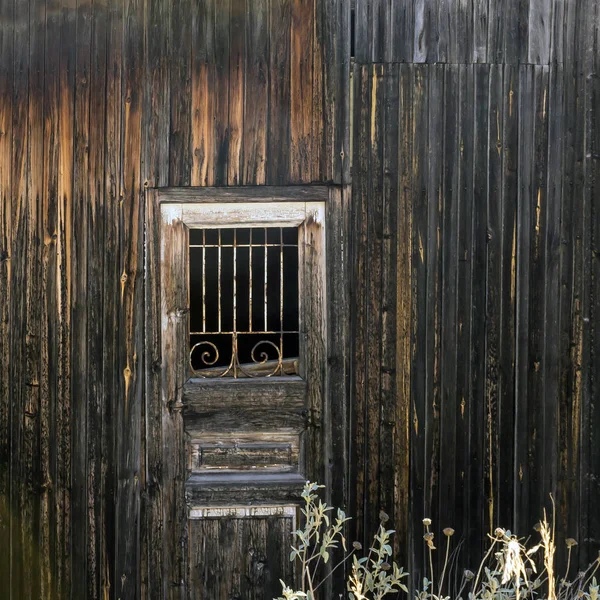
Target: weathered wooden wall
x: 476, y: 231
x: 100, y: 100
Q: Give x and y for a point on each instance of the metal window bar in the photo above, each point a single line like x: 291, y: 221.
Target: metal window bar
x: 266, y: 358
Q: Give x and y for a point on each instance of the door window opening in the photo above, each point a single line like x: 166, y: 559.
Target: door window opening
x: 244, y: 302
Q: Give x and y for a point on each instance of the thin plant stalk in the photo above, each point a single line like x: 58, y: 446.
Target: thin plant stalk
x: 445, y: 565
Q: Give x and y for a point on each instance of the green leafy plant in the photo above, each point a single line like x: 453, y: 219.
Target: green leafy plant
x: 371, y: 577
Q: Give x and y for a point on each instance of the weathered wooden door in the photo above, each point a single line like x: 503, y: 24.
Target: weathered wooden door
x: 244, y: 346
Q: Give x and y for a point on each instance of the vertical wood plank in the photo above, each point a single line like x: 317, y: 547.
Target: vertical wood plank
x: 301, y: 72
x: 373, y: 283
x: 257, y: 87
x: 506, y: 359
x: 237, y: 45
x: 524, y: 224
x: 552, y: 242
x: 180, y: 94
x: 278, y: 141
x: 220, y: 149
x: 128, y: 426
x: 31, y: 455
x: 388, y: 299
x: 318, y: 162
x: 404, y: 316
x: 480, y: 31
x: 540, y: 29
x: 493, y: 294
x: 449, y: 401
x: 475, y: 408
x: 50, y: 310
x: 420, y: 131
x: 402, y: 31
x: 111, y: 279
x: 96, y: 413
x: 174, y: 330
x: 79, y: 298
x: 432, y: 290
x: 19, y: 473
x: 156, y: 117
x: 203, y: 104
x: 538, y: 495
x: 336, y: 80
x: 359, y: 273
x: 65, y: 191
x: 6, y: 292
x: 464, y: 300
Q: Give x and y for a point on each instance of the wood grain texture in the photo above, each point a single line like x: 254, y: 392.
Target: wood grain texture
x: 460, y: 349
x: 500, y: 191
x: 465, y: 31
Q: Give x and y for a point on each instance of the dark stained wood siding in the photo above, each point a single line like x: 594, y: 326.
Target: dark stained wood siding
x: 101, y: 100
x: 472, y: 356
x: 474, y: 175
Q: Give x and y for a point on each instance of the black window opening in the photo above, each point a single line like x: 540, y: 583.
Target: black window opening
x: 244, y: 302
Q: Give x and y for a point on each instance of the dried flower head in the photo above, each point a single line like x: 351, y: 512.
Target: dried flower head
x: 570, y: 542
x: 469, y: 574
x: 357, y: 545
x: 383, y: 516
x: 428, y: 537
x: 537, y: 527
x: 448, y: 531
x: 427, y: 522
x: 499, y: 532
x: 386, y: 566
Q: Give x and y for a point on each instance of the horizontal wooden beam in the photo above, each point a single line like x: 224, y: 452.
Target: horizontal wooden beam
x: 274, y: 193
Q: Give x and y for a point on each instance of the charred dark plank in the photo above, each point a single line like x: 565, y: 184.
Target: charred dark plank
x: 111, y: 280
x: 79, y: 296
x: 6, y: 291
x: 50, y: 309
x: 475, y: 408
x: 522, y: 325
x: 404, y: 316
x: 464, y: 291
x: 433, y: 303
x: 450, y: 402
x: 359, y: 273
x: 388, y: 175
x: 506, y: 357
x: 493, y: 294
x: 537, y: 267
x: 373, y: 291
x: 418, y: 465
x: 552, y: 249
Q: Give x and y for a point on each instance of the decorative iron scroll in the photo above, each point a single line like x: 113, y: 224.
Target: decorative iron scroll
x: 240, y: 284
